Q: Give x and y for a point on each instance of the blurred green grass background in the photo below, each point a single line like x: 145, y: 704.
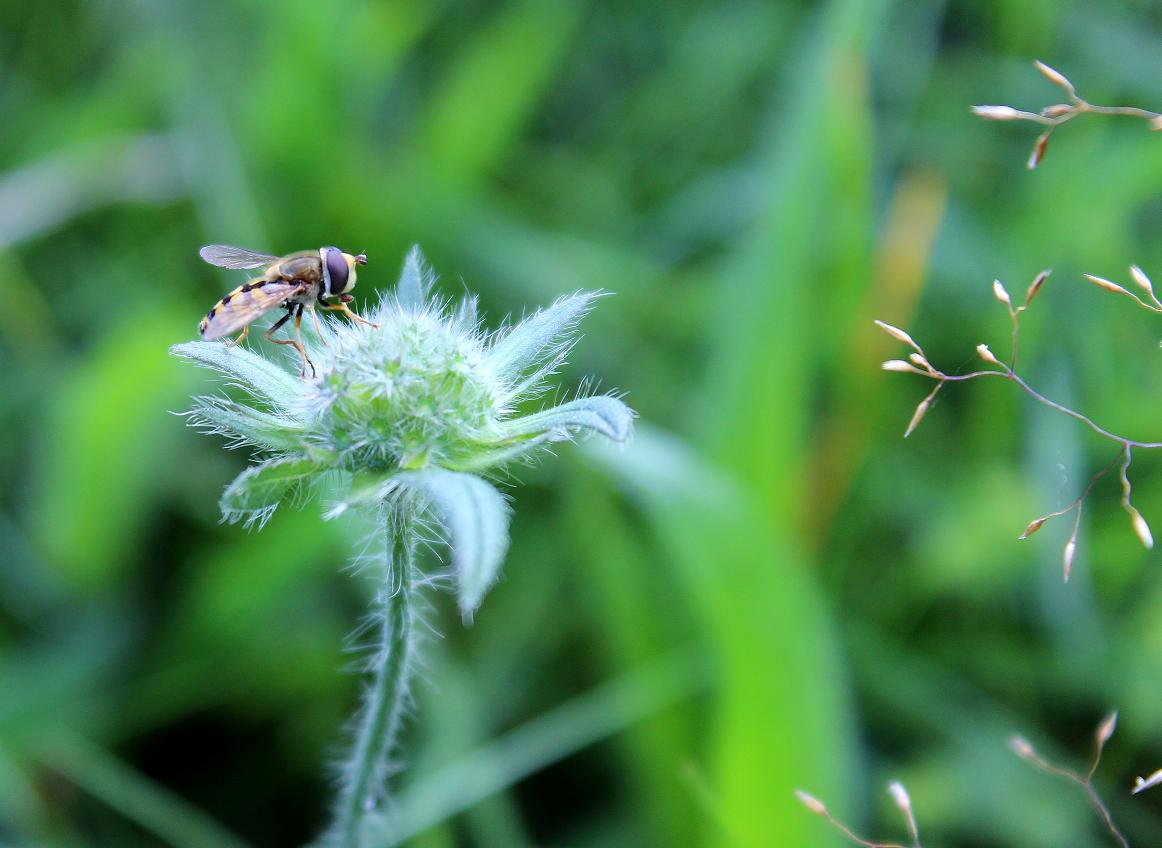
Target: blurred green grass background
x: 768, y: 590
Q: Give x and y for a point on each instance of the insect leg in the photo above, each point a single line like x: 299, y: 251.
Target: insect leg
x: 241, y: 337
x: 297, y: 342
x: 318, y: 329
x: 341, y: 306
x: 276, y: 325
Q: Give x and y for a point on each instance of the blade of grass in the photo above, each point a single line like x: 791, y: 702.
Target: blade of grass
x: 781, y: 717
x: 133, y: 795
x: 552, y: 736
x: 624, y: 598
x: 493, y: 88
x: 108, y: 423
x: 760, y: 375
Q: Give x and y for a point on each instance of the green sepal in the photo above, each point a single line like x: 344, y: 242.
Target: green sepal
x: 248, y: 425
x: 475, y: 516
x: 600, y: 413
x: 534, y: 348
x: 264, y: 378
x: 494, y: 455
x: 259, y: 490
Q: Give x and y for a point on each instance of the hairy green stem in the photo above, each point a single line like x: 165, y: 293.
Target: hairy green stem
x: 365, y: 771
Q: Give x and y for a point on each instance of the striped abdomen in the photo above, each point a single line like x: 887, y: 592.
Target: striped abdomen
x: 246, y: 304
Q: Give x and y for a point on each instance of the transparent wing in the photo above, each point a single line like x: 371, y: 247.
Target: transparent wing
x: 244, y: 305
x: 227, y: 256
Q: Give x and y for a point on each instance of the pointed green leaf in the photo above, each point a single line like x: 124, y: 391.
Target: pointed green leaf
x: 254, y: 373
x: 476, y: 517
x: 601, y: 414
x: 534, y: 347
x: 257, y: 491
x: 415, y: 281
x: 246, y: 425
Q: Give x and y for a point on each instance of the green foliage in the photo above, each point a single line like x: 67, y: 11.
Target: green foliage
x: 781, y: 594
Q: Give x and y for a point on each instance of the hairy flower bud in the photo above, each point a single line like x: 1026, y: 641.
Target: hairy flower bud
x: 414, y: 393
x: 403, y: 415
x: 423, y: 389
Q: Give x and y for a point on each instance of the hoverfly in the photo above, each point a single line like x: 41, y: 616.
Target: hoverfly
x: 295, y: 282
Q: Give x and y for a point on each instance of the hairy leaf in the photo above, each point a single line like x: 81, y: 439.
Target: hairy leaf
x: 264, y: 378
x: 247, y: 425
x: 601, y: 414
x: 476, y: 517
x: 257, y: 491
x: 533, y: 349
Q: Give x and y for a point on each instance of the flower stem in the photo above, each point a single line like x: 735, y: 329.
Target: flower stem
x: 365, y: 771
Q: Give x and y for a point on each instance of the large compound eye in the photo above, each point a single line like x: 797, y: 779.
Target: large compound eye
x: 337, y: 271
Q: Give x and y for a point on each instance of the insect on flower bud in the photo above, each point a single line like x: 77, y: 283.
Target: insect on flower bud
x: 996, y: 113
x: 1034, y: 525
x: 811, y: 802
x: 986, y: 354
x: 1055, y: 77
x: 1000, y: 294
x: 1056, y: 110
x: 1038, y: 151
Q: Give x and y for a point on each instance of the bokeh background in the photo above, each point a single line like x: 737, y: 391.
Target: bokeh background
x: 770, y: 589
